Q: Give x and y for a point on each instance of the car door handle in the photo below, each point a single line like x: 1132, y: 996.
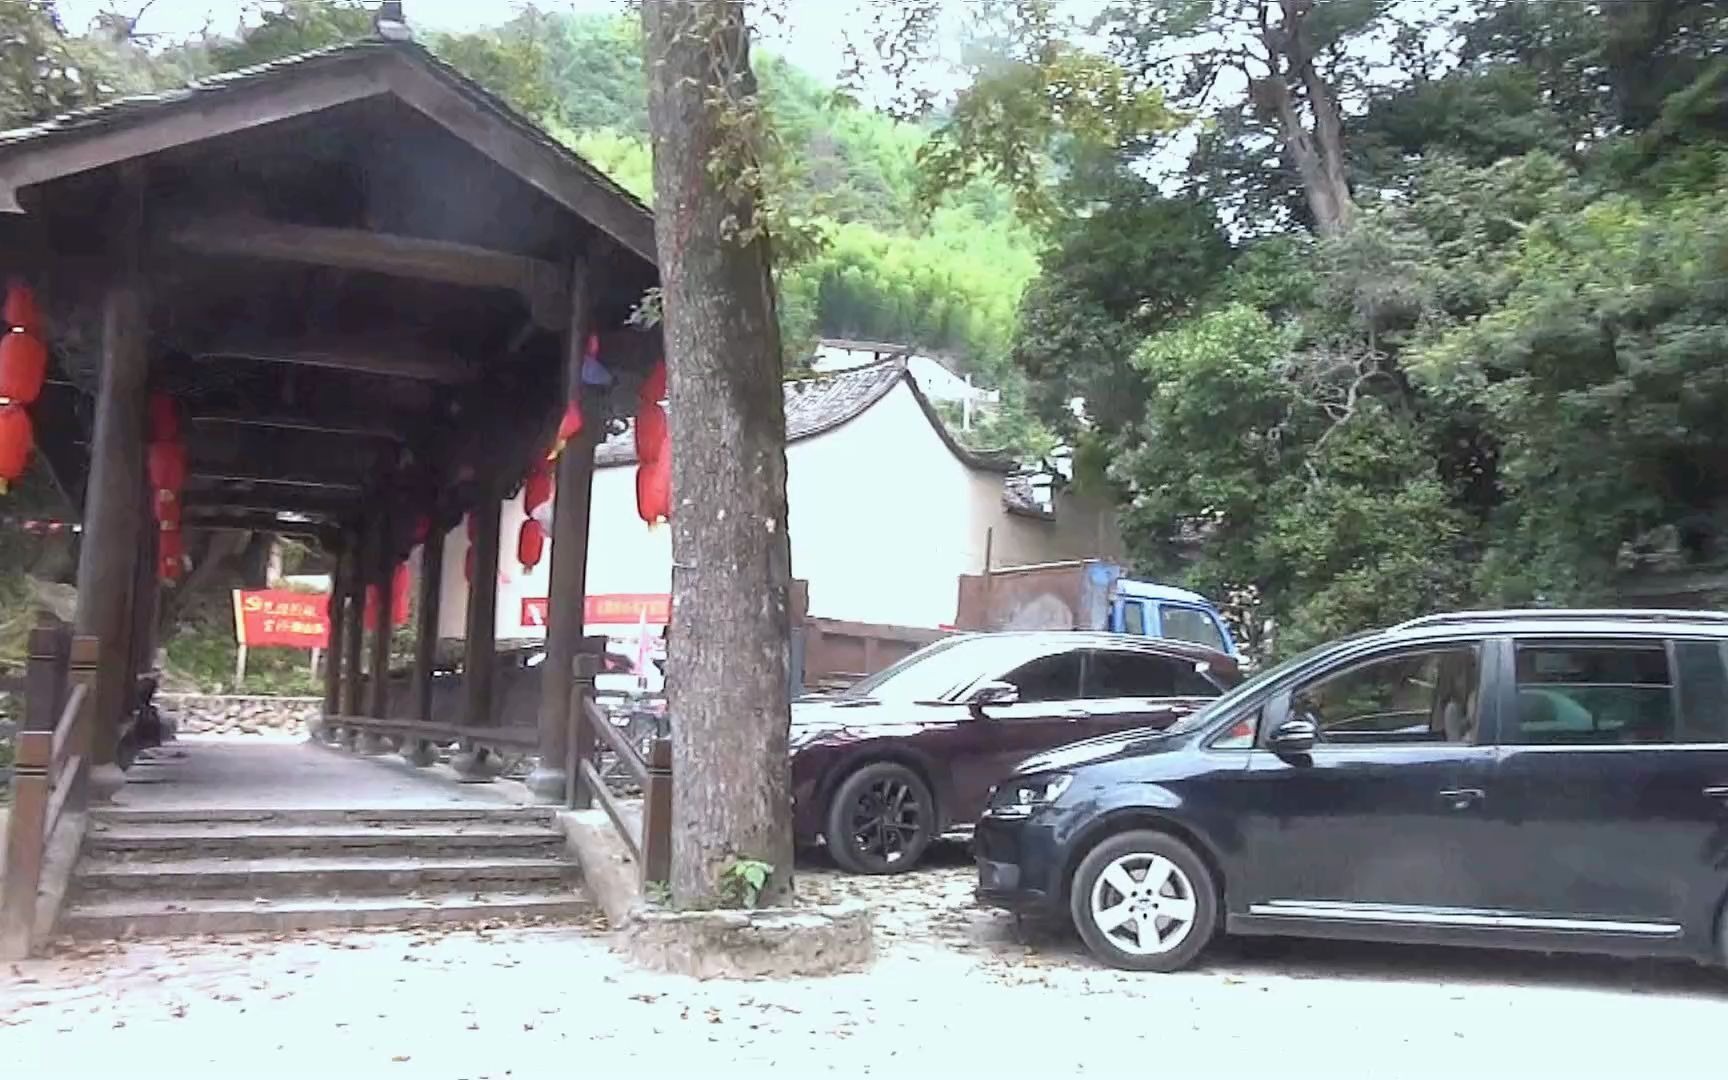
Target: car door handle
x: 1463, y: 798
x: 1075, y: 714
x: 1719, y: 793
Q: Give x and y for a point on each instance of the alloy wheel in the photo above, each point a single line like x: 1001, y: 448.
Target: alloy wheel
x: 1143, y: 904
x: 886, y: 821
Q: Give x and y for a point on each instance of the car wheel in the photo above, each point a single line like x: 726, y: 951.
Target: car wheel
x: 880, y: 820
x: 1144, y: 901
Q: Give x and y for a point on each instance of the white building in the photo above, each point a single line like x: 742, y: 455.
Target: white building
x: 886, y: 511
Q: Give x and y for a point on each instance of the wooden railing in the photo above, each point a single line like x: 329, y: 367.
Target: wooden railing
x: 49, y: 771
x: 649, y: 834
x: 519, y: 739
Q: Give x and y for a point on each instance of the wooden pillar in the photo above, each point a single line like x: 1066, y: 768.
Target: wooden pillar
x: 353, y: 633
x: 333, y: 648
x: 567, y: 588
x: 480, y: 659
x: 430, y: 593
x: 383, y: 566
x: 113, y: 511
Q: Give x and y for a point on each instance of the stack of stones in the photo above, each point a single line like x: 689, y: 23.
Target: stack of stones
x: 233, y: 714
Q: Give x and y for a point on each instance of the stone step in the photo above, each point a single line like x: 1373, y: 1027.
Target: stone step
x: 269, y: 840
x: 152, y: 917
x: 383, y: 815
x: 317, y: 876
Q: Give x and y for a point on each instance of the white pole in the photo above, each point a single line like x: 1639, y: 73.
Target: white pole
x: 239, y: 667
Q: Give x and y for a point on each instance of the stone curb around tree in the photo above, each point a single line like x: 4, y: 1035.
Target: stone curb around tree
x: 764, y: 943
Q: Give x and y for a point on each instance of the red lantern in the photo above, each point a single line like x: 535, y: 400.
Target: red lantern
x: 568, y: 428
x: 167, y: 510
x: 21, y: 310
x: 652, y: 438
x: 530, y: 544
x: 654, y: 489
x: 537, y: 487
x: 16, y: 438
x: 23, y: 366
x: 168, y: 466
x: 653, y: 390
x: 170, y: 554
x: 400, y: 582
x: 164, y: 418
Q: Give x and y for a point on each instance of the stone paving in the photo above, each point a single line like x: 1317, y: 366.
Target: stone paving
x: 955, y: 991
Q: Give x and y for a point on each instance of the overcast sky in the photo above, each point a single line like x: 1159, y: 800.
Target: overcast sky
x: 813, y: 33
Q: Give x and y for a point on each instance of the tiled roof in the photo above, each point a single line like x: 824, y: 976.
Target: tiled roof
x: 813, y: 406
x: 120, y: 111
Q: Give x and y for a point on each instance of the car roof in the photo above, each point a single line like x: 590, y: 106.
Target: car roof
x: 1561, y: 622
x: 1097, y: 639
x: 1151, y: 590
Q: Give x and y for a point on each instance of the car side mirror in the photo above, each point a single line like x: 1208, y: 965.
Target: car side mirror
x: 1293, y: 737
x: 992, y: 693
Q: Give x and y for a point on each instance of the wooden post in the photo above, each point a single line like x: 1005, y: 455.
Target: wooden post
x: 112, y: 504
x: 378, y: 688
x: 479, y: 658
x: 44, y: 680
x: 567, y: 586
x: 657, y: 814
x: 334, y: 611
x: 431, y: 593
x: 353, y: 633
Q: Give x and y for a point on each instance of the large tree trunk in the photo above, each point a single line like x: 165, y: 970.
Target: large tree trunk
x: 1318, y: 154
x: 728, y: 692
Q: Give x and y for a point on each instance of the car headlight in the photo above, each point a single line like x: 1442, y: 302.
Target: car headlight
x: 1020, y: 796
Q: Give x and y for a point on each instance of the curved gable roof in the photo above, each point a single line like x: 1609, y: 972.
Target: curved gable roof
x: 824, y: 402
x: 144, y: 124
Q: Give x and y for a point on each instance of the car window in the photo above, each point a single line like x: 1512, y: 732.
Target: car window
x: 1703, y: 671
x: 1426, y: 696
x: 1048, y: 678
x: 1144, y: 675
x: 1133, y: 617
x: 1191, y: 624
x: 1593, y: 693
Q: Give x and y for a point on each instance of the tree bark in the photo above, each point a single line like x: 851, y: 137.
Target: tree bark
x: 728, y: 690
x: 1318, y: 154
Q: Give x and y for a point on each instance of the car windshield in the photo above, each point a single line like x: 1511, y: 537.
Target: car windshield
x: 1248, y: 689
x: 938, y: 671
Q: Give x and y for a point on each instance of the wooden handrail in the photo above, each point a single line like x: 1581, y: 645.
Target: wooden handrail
x: 650, y: 839
x: 628, y: 755
x: 66, y: 732
x: 627, y: 831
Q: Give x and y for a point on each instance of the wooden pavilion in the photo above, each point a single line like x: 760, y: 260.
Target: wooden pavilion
x: 367, y: 283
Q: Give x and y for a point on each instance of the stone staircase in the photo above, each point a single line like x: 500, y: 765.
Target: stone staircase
x: 171, y: 872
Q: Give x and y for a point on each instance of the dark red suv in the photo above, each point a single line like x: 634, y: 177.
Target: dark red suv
x: 911, y: 752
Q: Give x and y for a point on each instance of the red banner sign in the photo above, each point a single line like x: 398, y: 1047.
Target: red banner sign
x: 282, y: 617
x: 608, y: 609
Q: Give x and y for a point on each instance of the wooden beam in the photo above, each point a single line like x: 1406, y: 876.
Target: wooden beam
x: 540, y: 283
x: 262, y: 480
x: 341, y: 429
x: 311, y: 503
x: 199, y: 117
x: 256, y: 521
x: 387, y: 355
x: 531, y: 158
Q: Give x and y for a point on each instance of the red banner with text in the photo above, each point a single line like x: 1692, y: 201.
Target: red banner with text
x: 608, y: 609
x: 281, y: 617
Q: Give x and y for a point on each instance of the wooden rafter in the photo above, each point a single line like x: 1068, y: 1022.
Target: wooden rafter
x: 390, y: 356
x: 542, y: 284
x: 353, y: 428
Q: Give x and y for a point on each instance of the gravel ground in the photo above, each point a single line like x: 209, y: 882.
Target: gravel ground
x: 956, y: 990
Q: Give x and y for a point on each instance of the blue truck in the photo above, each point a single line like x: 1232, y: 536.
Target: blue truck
x: 1089, y: 594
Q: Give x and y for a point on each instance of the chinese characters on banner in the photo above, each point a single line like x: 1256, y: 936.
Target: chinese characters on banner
x: 608, y: 609
x: 280, y: 617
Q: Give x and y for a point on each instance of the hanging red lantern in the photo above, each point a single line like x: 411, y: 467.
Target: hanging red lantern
x: 653, y: 440
x: 21, y: 310
x: 168, y: 466
x: 537, y: 487
x: 400, y: 583
x: 530, y: 544
x: 16, y: 438
x: 170, y: 554
x: 23, y: 366
x: 568, y: 428
x: 654, y: 489
x: 164, y: 417
x: 653, y: 390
